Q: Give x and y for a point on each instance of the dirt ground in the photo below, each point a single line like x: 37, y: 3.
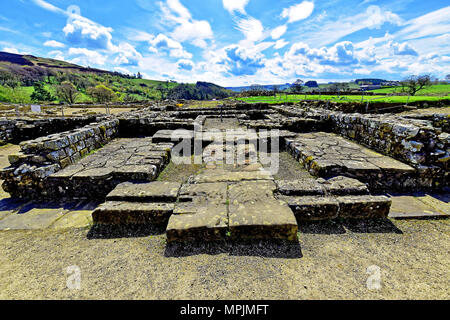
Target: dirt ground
x: 330, y: 261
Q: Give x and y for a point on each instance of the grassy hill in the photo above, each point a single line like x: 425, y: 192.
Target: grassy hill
x: 20, y: 73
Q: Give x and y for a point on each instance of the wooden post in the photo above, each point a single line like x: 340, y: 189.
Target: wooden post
x: 17, y: 111
x: 62, y: 110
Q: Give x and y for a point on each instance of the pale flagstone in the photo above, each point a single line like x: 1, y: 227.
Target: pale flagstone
x: 415, y: 207
x: 79, y: 217
x: 34, y: 219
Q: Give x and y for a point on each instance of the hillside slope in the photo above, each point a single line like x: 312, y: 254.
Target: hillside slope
x: 21, y: 75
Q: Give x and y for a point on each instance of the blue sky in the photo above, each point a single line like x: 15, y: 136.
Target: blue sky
x: 236, y: 42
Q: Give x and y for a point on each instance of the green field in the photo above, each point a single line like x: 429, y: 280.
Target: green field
x: 281, y: 98
x: 438, y: 90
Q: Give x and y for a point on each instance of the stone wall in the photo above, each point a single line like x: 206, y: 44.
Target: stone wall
x: 22, y: 129
x: 415, y: 142
x: 7, y: 128
x: 44, y: 156
x: 423, y: 143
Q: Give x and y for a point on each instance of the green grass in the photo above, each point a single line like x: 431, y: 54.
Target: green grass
x: 358, y: 98
x: 438, y: 89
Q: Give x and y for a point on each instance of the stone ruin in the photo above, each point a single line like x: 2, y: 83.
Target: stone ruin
x: 353, y: 161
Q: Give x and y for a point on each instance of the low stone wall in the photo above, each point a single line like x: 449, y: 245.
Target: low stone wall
x: 23, y: 129
x: 423, y: 144
x: 44, y: 156
x: 415, y: 142
x: 6, y: 131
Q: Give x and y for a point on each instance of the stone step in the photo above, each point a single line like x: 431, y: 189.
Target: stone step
x: 201, y: 214
x: 237, y: 211
x: 309, y: 187
x: 218, y: 175
x: 157, y: 191
x: 122, y: 212
x: 329, y: 207
x: 255, y: 213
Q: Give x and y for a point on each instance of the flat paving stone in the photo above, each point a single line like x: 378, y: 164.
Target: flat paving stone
x: 122, y: 212
x: 254, y: 213
x: 209, y: 176
x: 327, y: 155
x: 157, y: 191
x: 407, y: 206
x: 34, y: 219
x: 73, y: 220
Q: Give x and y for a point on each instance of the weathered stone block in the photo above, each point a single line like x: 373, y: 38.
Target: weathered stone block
x: 113, y: 212
x: 157, y: 191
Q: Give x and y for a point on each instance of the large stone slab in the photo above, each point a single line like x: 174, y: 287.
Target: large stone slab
x: 201, y: 214
x: 409, y: 206
x: 34, y: 219
x: 254, y: 213
x: 157, y: 191
x: 121, y: 212
x: 314, y: 207
x: 219, y: 175
x: 208, y: 222
x: 309, y: 187
x: 361, y: 207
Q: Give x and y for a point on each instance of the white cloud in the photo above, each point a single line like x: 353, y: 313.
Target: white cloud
x: 403, y: 49
x: 86, y: 57
x: 48, y: 6
x: 127, y: 55
x: 431, y: 24
x: 278, y: 32
x: 252, y: 28
x: 162, y: 43
x: 331, y: 31
x: 122, y: 70
x: 281, y: 44
x: 187, y: 28
x: 10, y: 50
x: 54, y: 44
x: 185, y: 65
x: 299, y: 11
x: 235, y: 5
x: 56, y: 54
x: 84, y: 32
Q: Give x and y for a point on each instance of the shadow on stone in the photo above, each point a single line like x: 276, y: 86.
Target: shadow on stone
x: 371, y: 226
x: 266, y: 249
x: 47, y: 205
x: 10, y: 204
x: 321, y: 227
x: 103, y: 231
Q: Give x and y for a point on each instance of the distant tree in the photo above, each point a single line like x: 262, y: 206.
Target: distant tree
x: 101, y: 93
x: 413, y: 84
x: 297, y: 86
x: 5, y: 77
x: 312, y: 84
x: 447, y: 77
x: 40, y: 94
x: 275, y: 90
x: 66, y: 92
x: 139, y: 75
x: 162, y: 90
